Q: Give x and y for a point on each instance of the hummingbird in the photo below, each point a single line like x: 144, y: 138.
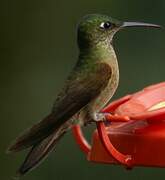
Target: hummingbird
x: 88, y: 88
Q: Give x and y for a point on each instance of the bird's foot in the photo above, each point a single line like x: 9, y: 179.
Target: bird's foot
x: 107, y: 118
x: 110, y: 117
x: 99, y: 117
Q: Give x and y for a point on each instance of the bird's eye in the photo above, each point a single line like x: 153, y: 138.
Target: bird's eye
x: 105, y: 25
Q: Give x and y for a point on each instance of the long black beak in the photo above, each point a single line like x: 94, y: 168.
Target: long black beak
x: 140, y: 24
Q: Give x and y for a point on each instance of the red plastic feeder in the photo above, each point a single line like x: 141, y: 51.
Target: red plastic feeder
x: 134, y: 134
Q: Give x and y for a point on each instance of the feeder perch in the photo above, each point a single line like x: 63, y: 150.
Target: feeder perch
x: 134, y: 133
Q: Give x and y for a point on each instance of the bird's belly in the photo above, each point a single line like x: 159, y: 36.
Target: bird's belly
x: 99, y: 102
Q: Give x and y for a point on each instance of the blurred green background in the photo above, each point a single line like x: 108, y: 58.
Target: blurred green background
x: 37, y: 51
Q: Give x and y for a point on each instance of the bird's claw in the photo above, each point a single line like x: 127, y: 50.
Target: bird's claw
x: 110, y: 117
x: 100, y: 117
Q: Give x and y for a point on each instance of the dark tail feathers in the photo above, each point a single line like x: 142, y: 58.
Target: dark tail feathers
x: 40, y: 151
x: 42, y: 137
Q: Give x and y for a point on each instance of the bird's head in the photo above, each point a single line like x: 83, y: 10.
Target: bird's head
x: 95, y: 28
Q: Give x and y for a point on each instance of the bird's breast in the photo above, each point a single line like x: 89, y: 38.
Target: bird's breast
x: 107, y: 93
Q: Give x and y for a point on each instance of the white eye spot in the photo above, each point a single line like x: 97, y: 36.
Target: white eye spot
x: 102, y: 25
